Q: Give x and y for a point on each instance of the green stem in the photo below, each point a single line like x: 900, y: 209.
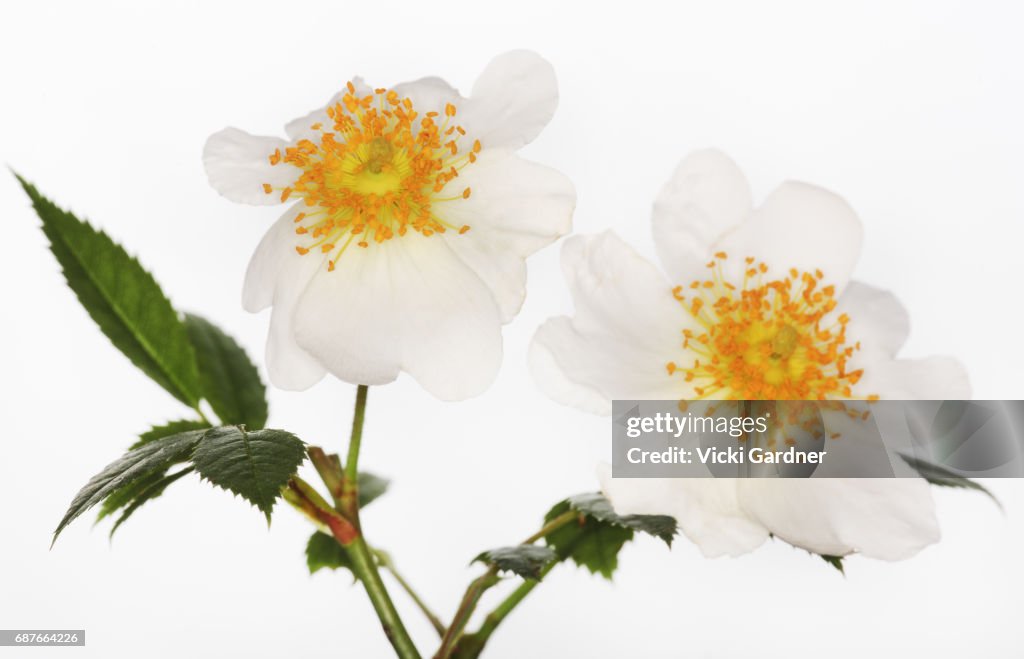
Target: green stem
x: 555, y: 524
x: 480, y: 585
x: 387, y: 564
x: 363, y: 563
x: 365, y: 567
x: 350, y: 485
x: 474, y: 592
x: 500, y: 612
x: 330, y: 472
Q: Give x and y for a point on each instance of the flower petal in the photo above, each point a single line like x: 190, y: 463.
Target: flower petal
x: 798, y: 226
x: 549, y: 375
x: 428, y: 94
x: 274, y: 256
x: 512, y: 100
x: 516, y: 208
x: 707, y: 510
x: 706, y: 196
x: 289, y: 367
x: 890, y: 519
x: 626, y: 328
x: 237, y: 166
x: 404, y: 304
x: 932, y: 378
x: 277, y: 276
x: 877, y: 319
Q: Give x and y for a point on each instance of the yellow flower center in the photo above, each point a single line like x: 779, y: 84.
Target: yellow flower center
x: 378, y: 171
x: 765, y: 340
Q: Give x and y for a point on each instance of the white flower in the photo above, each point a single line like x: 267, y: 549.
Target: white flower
x: 410, y: 221
x: 801, y: 330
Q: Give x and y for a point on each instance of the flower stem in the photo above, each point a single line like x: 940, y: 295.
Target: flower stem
x: 555, y: 524
x: 478, y: 639
x: 385, y: 561
x: 474, y: 643
x: 363, y: 562
x: 468, y: 604
x: 350, y: 484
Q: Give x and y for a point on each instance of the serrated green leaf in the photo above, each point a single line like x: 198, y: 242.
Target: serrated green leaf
x: 148, y: 493
x: 590, y: 542
x: 939, y: 475
x: 371, y: 486
x: 594, y: 541
x: 123, y: 299
x: 525, y: 560
x: 834, y: 561
x: 169, y: 428
x: 597, y: 506
x: 254, y: 465
x: 323, y: 551
x: 123, y: 496
x: 134, y: 465
x: 227, y: 377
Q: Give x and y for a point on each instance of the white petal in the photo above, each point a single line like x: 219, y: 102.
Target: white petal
x: 706, y: 509
x: 706, y: 196
x: 626, y: 328
x: 516, y: 207
x: 237, y: 166
x: 302, y: 128
x: 877, y: 319
x: 428, y: 94
x: 890, y: 519
x: 512, y: 100
x: 798, y: 226
x: 289, y: 367
x: 932, y: 378
x: 404, y: 304
x: 552, y: 380
x: 278, y: 275
x: 273, y: 256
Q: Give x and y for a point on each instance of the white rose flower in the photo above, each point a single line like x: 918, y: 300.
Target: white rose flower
x: 410, y: 221
x: 757, y: 304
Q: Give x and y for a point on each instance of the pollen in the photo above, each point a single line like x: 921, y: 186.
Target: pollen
x: 769, y: 339
x: 377, y: 169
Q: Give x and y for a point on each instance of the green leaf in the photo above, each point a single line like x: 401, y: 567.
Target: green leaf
x: 134, y: 465
x: 227, y: 377
x: 939, y: 475
x: 590, y: 542
x: 597, y: 506
x: 169, y: 428
x: 323, y: 551
x: 123, y: 496
x: 525, y: 560
x: 370, y: 487
x: 148, y: 493
x: 254, y: 465
x: 834, y: 561
x: 595, y: 539
x: 123, y: 299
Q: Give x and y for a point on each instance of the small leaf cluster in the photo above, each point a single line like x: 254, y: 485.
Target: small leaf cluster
x: 527, y: 561
x: 252, y: 464
x: 595, y: 538
x: 187, y: 355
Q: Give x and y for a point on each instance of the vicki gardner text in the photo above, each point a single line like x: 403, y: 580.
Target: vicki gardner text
x: 731, y: 455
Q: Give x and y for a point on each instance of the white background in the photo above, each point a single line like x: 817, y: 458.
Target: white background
x: 911, y: 111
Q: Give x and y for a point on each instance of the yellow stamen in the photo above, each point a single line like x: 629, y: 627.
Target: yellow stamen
x: 765, y: 340
x: 377, y: 170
